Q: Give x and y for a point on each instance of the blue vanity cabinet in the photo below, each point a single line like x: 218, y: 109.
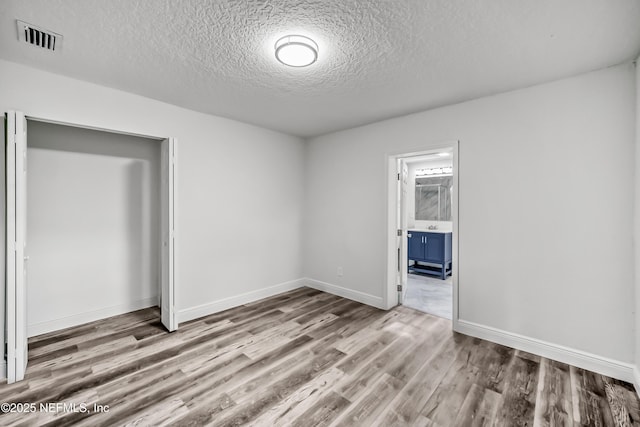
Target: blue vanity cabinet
x: 431, y: 253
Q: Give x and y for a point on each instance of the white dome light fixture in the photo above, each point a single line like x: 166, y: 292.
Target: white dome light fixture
x: 296, y: 51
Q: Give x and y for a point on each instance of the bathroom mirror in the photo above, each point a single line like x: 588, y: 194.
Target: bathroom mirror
x: 433, y: 198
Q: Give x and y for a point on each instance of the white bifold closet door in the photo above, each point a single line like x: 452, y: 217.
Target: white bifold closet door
x: 167, y: 201
x: 16, y: 227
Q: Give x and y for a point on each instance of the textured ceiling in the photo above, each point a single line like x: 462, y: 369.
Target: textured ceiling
x: 378, y: 58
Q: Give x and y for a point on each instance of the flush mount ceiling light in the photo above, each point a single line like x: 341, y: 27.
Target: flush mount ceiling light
x: 296, y: 51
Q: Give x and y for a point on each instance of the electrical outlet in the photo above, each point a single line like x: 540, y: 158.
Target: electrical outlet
x: 339, y: 271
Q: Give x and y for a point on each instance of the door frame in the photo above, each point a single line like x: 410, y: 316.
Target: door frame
x: 401, y: 218
x: 173, y: 189
x: 390, y: 293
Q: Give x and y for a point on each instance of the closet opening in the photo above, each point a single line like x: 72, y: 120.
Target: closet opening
x: 93, y: 220
x: 92, y: 212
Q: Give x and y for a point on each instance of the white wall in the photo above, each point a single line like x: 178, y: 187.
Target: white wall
x: 546, y: 197
x: 93, y: 225
x: 239, y: 190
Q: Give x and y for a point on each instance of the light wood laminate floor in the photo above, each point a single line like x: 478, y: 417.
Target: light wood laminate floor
x: 304, y: 358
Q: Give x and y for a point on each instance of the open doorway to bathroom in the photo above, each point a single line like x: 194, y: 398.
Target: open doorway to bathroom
x: 429, y: 286
x: 423, y: 212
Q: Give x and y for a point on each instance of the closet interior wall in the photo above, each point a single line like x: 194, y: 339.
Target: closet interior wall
x: 93, y: 219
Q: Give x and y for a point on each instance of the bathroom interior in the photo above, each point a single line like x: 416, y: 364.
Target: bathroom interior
x: 429, y: 234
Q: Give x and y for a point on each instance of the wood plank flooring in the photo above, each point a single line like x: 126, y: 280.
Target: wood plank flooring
x: 303, y: 358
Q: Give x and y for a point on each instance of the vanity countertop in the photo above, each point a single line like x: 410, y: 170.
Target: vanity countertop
x: 424, y: 230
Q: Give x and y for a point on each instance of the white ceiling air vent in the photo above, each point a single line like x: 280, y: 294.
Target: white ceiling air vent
x: 37, y: 36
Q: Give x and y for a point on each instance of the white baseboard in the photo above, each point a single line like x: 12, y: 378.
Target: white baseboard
x: 582, y: 359
x: 358, y: 296
x: 636, y: 377
x: 237, y: 300
x: 3, y: 370
x: 90, y: 316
